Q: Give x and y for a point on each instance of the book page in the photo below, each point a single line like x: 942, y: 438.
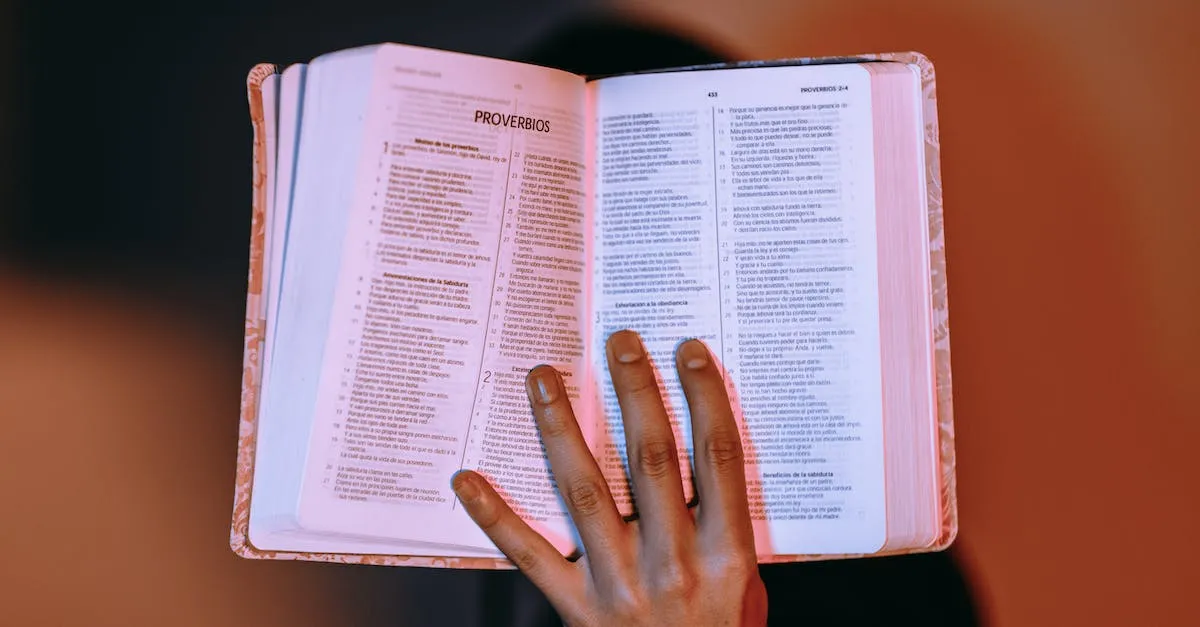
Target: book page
x: 462, y: 270
x: 737, y: 206
x: 271, y: 97
x: 291, y: 99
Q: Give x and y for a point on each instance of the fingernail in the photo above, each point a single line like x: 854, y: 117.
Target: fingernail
x: 626, y: 346
x: 693, y: 355
x: 464, y: 486
x: 542, y: 384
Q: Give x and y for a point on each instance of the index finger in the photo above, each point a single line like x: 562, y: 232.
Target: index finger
x: 724, y: 509
x: 577, y: 474
x: 525, y: 548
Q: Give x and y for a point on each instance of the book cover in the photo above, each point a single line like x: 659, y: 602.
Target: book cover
x: 255, y: 324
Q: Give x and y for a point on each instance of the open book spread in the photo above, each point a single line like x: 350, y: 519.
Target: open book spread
x: 431, y: 225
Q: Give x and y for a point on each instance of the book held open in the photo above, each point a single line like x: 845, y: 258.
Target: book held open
x: 428, y: 226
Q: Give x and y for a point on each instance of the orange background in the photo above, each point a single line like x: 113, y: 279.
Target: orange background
x: 1071, y: 169
x: 1069, y: 147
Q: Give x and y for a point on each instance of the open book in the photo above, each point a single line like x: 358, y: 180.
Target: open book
x: 429, y: 225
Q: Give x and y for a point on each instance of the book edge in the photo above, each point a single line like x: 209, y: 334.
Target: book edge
x: 254, y: 322
x: 937, y: 264
x: 254, y: 327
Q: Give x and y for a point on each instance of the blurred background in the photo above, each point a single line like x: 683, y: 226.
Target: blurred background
x: 1070, y: 164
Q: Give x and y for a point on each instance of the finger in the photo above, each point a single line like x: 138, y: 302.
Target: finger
x: 579, y: 479
x: 562, y: 584
x: 717, y: 445
x: 653, y: 456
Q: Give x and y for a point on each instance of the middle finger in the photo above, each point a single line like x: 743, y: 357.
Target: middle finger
x: 653, y: 456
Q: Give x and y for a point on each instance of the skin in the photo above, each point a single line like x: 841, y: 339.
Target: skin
x: 672, y: 566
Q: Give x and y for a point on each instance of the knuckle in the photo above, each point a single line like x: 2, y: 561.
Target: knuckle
x: 724, y: 450
x: 732, y: 566
x: 554, y: 424
x: 524, y: 559
x: 655, y: 458
x: 585, y: 497
x: 630, y: 601
x: 676, y: 580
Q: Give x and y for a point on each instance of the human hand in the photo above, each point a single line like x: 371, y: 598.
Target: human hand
x: 668, y: 567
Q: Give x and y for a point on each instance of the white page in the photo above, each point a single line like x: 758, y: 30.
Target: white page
x: 270, y: 101
x: 334, y: 98
x: 422, y: 368
x: 291, y: 99
x: 738, y: 206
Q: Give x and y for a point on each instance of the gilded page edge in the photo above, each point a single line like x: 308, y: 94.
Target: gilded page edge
x: 254, y: 321
x: 940, y: 306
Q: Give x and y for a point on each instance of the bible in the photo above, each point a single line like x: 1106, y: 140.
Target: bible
x: 428, y: 226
